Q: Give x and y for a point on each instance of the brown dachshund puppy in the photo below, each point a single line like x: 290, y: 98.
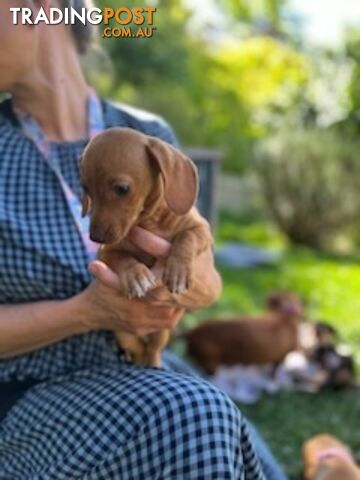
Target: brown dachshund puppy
x: 248, y: 340
x: 131, y: 179
x: 326, y: 458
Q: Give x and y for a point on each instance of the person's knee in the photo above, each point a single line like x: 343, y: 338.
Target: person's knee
x: 177, y: 425
x: 192, y: 399
x: 198, y: 425
x: 158, y: 395
x: 182, y: 428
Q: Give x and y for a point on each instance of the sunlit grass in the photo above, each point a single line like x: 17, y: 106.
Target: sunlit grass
x: 328, y: 284
x: 330, y: 288
x: 286, y: 420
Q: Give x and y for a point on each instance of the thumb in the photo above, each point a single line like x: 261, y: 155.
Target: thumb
x: 104, y: 274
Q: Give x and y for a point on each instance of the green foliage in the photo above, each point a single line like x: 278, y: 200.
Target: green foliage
x: 350, y: 125
x: 233, y: 87
x: 310, y: 180
x: 250, y: 78
x: 352, y: 49
x: 161, y: 74
x: 163, y: 58
x: 230, y: 94
x: 250, y: 10
x: 260, y: 70
x: 251, y: 228
x: 212, y: 97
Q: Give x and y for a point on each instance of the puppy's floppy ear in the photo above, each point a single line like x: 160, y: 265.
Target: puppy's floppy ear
x: 85, y: 205
x: 85, y: 201
x: 179, y: 174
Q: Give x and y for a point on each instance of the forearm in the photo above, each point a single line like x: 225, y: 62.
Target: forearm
x: 28, y: 327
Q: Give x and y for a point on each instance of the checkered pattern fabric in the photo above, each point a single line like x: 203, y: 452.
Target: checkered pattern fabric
x: 93, y: 416
x: 122, y: 422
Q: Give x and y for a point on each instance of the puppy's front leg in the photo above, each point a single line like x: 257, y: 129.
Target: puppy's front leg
x: 185, y: 248
x: 135, y: 278
x: 133, y: 345
x: 157, y: 342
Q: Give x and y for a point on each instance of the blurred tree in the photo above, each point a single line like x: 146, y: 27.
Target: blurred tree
x: 252, y: 11
x: 310, y: 181
x: 245, y: 82
x: 353, y: 53
x: 351, y: 124
x: 164, y: 56
x: 261, y: 70
x: 212, y: 96
x: 157, y: 74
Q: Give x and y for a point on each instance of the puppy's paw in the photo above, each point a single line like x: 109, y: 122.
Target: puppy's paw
x: 177, y: 275
x: 137, y: 281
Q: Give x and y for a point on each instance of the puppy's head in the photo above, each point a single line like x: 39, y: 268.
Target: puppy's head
x: 286, y: 303
x: 123, y: 174
x: 326, y: 334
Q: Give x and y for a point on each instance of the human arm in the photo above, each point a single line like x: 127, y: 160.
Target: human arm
x: 28, y: 327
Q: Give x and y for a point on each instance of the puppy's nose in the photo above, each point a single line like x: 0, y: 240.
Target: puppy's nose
x: 97, y: 235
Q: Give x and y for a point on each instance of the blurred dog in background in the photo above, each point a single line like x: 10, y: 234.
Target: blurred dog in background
x: 326, y: 364
x: 248, y: 340
x: 327, y: 458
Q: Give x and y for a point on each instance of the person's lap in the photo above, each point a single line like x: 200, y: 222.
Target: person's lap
x: 126, y: 423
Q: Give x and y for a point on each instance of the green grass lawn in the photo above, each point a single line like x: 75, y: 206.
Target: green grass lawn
x: 330, y: 287
x: 286, y: 420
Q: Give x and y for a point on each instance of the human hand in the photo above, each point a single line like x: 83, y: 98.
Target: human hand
x: 103, y: 308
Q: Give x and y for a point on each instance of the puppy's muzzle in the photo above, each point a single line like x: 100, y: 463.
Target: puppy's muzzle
x: 97, y: 234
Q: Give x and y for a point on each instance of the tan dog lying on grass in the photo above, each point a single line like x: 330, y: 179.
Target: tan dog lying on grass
x: 248, y: 340
x: 131, y: 179
x: 326, y: 458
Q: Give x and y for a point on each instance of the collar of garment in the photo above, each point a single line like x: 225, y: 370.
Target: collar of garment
x: 31, y: 128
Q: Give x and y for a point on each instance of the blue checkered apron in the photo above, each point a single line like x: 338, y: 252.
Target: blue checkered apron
x: 86, y: 414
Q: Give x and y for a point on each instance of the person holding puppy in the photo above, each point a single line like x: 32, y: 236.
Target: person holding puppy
x: 69, y: 407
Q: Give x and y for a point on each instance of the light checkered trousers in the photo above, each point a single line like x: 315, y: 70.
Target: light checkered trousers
x: 93, y: 416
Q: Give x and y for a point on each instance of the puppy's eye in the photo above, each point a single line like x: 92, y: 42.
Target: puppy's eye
x: 121, y: 189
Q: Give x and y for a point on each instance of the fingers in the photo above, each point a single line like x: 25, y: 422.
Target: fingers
x: 139, y: 316
x: 104, y: 274
x: 169, y: 317
x: 149, y: 242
